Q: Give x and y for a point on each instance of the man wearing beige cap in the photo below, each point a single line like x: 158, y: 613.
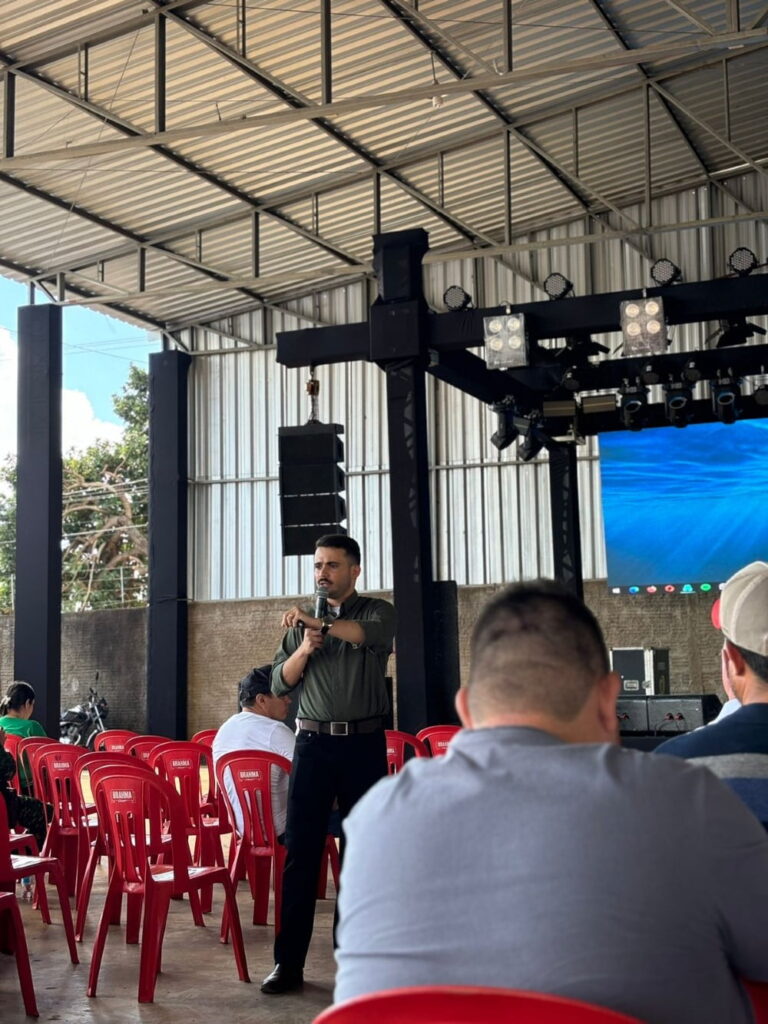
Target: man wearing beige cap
x: 737, y: 746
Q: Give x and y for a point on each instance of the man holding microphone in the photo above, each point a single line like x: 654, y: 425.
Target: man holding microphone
x: 340, y: 655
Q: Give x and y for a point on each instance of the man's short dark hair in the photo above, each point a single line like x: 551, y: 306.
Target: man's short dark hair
x: 258, y: 680
x: 340, y: 540
x: 757, y: 662
x: 535, y: 648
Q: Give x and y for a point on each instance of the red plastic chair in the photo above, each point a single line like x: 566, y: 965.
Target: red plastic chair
x: 454, y: 1004
x: 31, y: 748
x: 85, y: 764
x: 12, y: 748
x: 68, y: 836
x: 437, y: 737
x: 758, y: 997
x: 397, y: 742
x: 257, y: 850
x: 205, y: 736
x: 142, y: 746
x: 135, y: 808
x: 9, y: 913
x: 113, y: 740
x: 181, y: 763
x: 13, y: 867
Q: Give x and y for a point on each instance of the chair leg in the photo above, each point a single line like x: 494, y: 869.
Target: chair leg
x: 57, y: 877
x: 133, y: 903
x: 236, y: 871
x: 237, y: 932
x: 114, y: 893
x: 84, y: 894
x: 41, y: 898
x: 22, y: 959
x: 259, y: 870
x: 157, y: 901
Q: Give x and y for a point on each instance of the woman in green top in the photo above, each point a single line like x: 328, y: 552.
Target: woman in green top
x: 16, y: 707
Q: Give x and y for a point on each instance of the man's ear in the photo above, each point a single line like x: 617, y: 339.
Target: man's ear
x: 462, y: 707
x: 735, y: 657
x: 356, y: 570
x: 608, y: 690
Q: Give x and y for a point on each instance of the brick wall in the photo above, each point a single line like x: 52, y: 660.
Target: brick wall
x: 228, y: 638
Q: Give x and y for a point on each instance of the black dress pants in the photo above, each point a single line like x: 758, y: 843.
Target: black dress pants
x: 324, y: 768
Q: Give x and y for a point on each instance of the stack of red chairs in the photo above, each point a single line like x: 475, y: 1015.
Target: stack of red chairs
x: 205, y: 736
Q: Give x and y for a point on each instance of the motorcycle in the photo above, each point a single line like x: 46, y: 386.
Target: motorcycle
x: 81, y: 724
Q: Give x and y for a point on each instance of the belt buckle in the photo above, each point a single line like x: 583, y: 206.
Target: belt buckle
x: 339, y: 728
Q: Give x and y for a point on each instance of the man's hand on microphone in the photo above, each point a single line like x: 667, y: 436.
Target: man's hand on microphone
x: 312, y: 641
x: 296, y: 617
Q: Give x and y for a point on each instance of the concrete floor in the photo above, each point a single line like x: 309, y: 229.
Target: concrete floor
x: 198, y: 982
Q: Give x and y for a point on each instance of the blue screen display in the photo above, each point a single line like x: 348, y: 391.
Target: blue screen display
x: 684, y: 506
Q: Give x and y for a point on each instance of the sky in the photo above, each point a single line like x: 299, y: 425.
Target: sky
x: 98, y: 351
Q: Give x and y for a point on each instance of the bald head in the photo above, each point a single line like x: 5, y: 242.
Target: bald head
x: 536, y: 650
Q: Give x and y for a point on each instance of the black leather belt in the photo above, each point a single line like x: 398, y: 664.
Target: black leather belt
x: 341, y: 728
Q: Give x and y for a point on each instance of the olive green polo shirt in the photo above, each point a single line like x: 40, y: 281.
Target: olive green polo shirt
x: 343, y: 682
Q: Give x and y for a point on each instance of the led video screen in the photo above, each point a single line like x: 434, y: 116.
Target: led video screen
x: 684, y: 508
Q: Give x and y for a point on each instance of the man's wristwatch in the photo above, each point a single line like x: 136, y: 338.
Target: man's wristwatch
x: 328, y: 621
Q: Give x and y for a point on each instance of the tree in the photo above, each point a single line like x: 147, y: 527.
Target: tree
x: 104, y: 524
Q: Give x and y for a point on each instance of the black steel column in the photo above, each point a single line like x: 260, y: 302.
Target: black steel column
x: 564, y: 504
x: 167, y: 618
x: 398, y: 343
x: 37, y: 636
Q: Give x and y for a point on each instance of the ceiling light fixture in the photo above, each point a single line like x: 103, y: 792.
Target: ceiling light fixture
x: 665, y: 272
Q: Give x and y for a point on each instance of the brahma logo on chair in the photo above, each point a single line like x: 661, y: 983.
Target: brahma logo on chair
x: 181, y: 763
x: 60, y: 764
x: 249, y: 774
x: 122, y: 794
x: 391, y: 751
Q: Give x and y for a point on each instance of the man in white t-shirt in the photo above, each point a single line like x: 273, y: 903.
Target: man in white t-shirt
x: 258, y: 726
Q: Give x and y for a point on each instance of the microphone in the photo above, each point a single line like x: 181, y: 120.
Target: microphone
x: 321, y: 602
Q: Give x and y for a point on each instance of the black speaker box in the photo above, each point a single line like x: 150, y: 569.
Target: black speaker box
x: 632, y: 713
x: 681, y: 713
x: 306, y: 509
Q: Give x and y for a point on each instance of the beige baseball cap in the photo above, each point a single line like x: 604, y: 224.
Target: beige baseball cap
x: 744, y: 608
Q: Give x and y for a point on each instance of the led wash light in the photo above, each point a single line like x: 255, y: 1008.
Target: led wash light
x: 643, y: 327
x: 505, y: 340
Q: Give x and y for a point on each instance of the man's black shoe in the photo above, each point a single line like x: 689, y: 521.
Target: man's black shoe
x: 283, y: 979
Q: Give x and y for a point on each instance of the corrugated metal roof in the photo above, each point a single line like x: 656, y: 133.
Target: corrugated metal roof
x: 85, y: 73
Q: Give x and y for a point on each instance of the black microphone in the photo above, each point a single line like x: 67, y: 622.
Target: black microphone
x: 321, y: 602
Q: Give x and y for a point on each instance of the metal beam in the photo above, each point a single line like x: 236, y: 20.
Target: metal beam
x: 9, y: 115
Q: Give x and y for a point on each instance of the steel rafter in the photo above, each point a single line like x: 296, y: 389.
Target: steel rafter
x: 662, y: 95
x: 407, y: 17
x: 298, y: 102
x: 123, y: 126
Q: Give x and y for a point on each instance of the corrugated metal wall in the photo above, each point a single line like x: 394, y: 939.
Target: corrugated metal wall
x: 490, y: 512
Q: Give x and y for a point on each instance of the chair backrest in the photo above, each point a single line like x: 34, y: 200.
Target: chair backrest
x: 57, y: 767
x: 206, y: 736
x: 180, y: 762
x: 437, y: 737
x: 93, y: 759
x: 12, y: 748
x: 27, y: 752
x: 251, y: 773
x: 397, y: 743
x: 454, y: 1004
x: 137, y: 810
x: 142, y: 746
x: 113, y: 740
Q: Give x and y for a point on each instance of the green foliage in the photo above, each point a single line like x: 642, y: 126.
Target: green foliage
x: 105, y: 491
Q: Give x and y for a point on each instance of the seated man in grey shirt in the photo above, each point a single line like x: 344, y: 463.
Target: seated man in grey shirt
x: 540, y: 855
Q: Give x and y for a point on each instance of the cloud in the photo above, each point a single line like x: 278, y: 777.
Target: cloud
x: 80, y: 427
